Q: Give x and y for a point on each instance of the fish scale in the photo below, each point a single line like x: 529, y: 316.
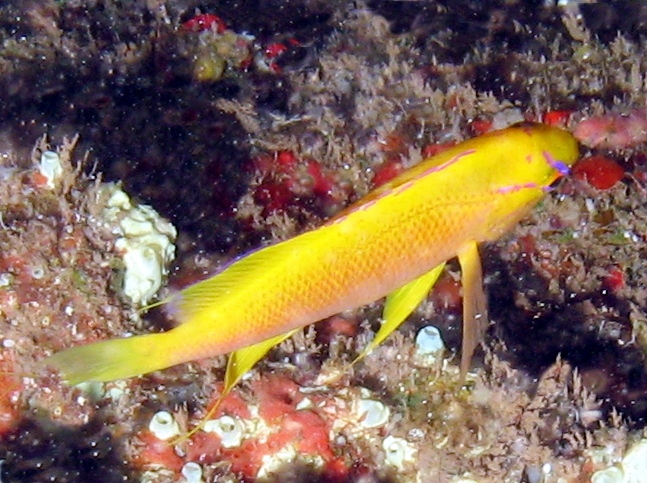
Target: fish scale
x: 394, y: 242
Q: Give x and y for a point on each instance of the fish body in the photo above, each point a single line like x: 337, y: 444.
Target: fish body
x: 393, y: 242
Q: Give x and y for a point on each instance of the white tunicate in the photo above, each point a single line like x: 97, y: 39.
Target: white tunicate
x: 37, y: 272
x: 143, y: 276
x: 192, y: 472
x: 634, y: 463
x: 632, y: 468
x: 398, y: 451
x: 118, y: 200
x: 50, y: 167
x: 429, y: 345
x: 164, y: 426
x: 229, y: 430
x: 608, y: 475
x: 371, y: 413
x: 145, y: 241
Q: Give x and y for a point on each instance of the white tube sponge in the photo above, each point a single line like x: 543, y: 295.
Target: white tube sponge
x: 51, y: 168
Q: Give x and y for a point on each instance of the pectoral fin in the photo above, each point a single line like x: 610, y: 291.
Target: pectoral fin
x: 399, y: 305
x: 474, y: 303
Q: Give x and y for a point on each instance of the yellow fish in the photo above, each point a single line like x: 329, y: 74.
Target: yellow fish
x: 393, y: 243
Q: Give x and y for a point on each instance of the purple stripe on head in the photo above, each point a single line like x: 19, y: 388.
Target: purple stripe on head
x: 561, y: 167
x: 516, y: 187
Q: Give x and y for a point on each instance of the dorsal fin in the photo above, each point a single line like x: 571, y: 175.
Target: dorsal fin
x: 429, y: 165
x: 199, y: 297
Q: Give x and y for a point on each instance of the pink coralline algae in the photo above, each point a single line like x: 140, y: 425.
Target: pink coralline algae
x: 613, y: 130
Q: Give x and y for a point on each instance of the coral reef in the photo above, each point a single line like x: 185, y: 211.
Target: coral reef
x: 245, y: 122
x: 58, y: 259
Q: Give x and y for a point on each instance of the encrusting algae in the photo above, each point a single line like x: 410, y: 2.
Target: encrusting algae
x: 393, y: 243
x: 350, y: 96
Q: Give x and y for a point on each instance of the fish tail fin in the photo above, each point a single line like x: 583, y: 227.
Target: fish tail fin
x: 113, y: 359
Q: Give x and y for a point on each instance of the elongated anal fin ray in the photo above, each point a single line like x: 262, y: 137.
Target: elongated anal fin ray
x: 474, y: 302
x: 239, y: 363
x: 399, y: 305
x: 157, y: 303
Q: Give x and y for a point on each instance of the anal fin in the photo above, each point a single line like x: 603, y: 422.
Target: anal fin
x: 238, y: 364
x: 241, y: 361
